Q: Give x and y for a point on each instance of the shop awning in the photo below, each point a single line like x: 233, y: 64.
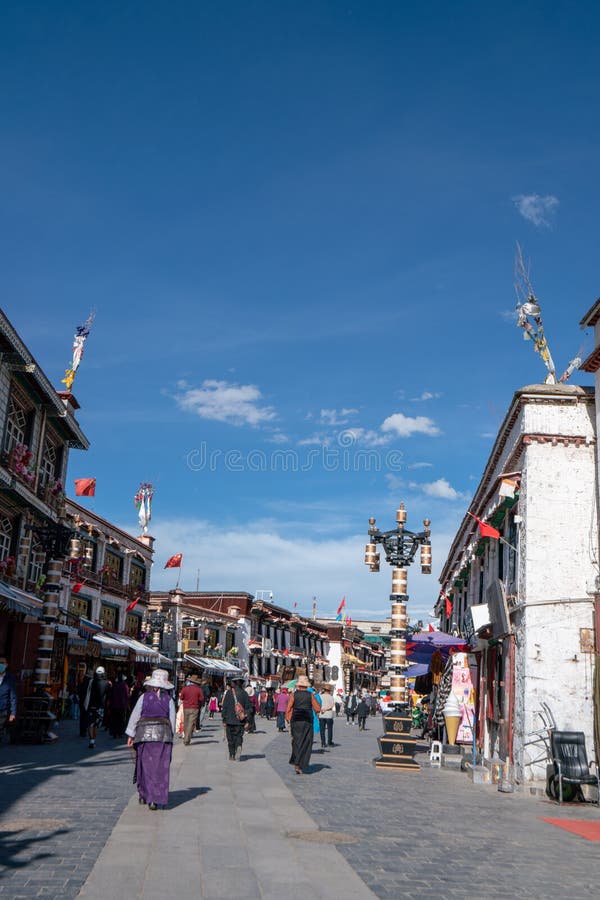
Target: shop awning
x: 20, y: 601
x: 111, y: 646
x: 88, y: 629
x: 212, y: 666
x: 120, y: 645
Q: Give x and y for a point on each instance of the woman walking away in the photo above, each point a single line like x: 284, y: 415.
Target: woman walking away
x: 362, y: 711
x: 150, y: 731
x: 299, y: 714
x: 269, y: 704
x: 235, y: 696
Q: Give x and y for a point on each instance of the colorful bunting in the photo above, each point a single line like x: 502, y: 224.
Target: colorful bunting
x: 81, y: 335
x: 143, y: 502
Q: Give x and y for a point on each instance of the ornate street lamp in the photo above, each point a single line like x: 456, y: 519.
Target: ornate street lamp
x: 400, y: 547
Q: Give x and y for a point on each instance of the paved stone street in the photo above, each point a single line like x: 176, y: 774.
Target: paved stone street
x: 70, y: 826
x: 58, y: 806
x: 434, y: 833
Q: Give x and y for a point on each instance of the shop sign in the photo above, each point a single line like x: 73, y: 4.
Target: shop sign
x: 93, y: 649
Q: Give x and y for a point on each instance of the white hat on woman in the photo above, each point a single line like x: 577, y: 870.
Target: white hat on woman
x: 159, y: 678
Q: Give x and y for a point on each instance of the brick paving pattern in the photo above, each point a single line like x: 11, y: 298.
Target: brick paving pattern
x: 434, y: 834
x: 58, y: 805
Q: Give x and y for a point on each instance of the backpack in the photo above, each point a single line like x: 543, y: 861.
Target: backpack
x: 237, y: 706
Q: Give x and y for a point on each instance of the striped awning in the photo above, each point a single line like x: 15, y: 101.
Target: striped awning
x: 15, y: 600
x: 212, y: 666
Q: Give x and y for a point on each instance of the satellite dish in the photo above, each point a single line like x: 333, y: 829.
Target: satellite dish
x: 498, y: 608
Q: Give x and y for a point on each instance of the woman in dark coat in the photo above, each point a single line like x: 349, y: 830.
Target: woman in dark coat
x: 300, y: 714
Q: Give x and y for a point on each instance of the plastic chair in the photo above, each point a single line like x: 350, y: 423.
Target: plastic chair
x: 571, y: 765
x: 435, y: 753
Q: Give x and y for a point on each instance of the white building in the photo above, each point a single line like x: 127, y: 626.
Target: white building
x: 539, y: 582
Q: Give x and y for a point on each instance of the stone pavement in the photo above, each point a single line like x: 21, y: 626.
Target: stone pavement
x: 433, y: 833
x: 69, y: 822
x: 58, y: 805
x: 226, y: 834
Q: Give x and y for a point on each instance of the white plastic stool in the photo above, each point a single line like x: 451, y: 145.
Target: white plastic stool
x: 435, y: 753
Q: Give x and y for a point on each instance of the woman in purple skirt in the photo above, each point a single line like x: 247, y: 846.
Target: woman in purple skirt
x: 150, y: 731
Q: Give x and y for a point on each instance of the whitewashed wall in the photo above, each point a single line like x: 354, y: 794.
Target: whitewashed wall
x: 558, y: 549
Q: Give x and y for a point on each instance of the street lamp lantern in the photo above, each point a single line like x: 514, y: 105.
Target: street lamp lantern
x: 400, y: 548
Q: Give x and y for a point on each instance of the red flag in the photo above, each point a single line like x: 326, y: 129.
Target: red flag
x: 77, y: 587
x: 174, y: 562
x: 133, y: 604
x: 85, y: 487
x: 485, y: 530
x: 449, y: 604
x: 341, y: 606
x: 430, y: 627
x: 348, y: 621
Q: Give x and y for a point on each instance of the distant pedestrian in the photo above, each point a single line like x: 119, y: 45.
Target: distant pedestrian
x: 326, y: 717
x: 8, y: 697
x: 119, y: 707
x: 82, y: 691
x: 301, y: 707
x: 269, y: 704
x: 234, y: 726
x: 350, y: 707
x: 213, y: 706
x: 280, y: 708
x: 262, y: 702
x: 251, y: 728
x: 150, y: 731
x: 362, y: 711
x: 95, y: 701
x: 338, y: 703
x: 191, y: 697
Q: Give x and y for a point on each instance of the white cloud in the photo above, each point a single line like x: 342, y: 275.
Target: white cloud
x: 509, y: 315
x: 364, y: 436
x: 336, y: 416
x: 441, y: 489
x: 405, y: 426
x: 220, y: 401
x: 316, y: 440
x: 426, y: 395
x: 278, y: 437
x: 295, y: 565
x: 420, y: 465
x: 538, y: 210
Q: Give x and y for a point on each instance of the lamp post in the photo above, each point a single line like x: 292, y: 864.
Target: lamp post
x: 400, y: 547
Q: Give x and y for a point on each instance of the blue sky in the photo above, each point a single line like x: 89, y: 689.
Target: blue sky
x: 296, y: 224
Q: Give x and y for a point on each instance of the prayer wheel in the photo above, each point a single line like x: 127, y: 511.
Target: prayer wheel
x: 399, y: 581
x: 426, y: 559
x: 398, y: 616
x: 371, y: 555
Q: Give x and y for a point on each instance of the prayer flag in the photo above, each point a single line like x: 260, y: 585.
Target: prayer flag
x: 338, y: 615
x: 485, y: 530
x: 174, y: 562
x: 85, y: 487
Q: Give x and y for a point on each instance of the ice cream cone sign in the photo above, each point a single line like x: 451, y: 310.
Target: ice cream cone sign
x: 452, y: 717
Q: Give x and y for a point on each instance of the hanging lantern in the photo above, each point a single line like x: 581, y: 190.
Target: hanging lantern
x: 426, y: 559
